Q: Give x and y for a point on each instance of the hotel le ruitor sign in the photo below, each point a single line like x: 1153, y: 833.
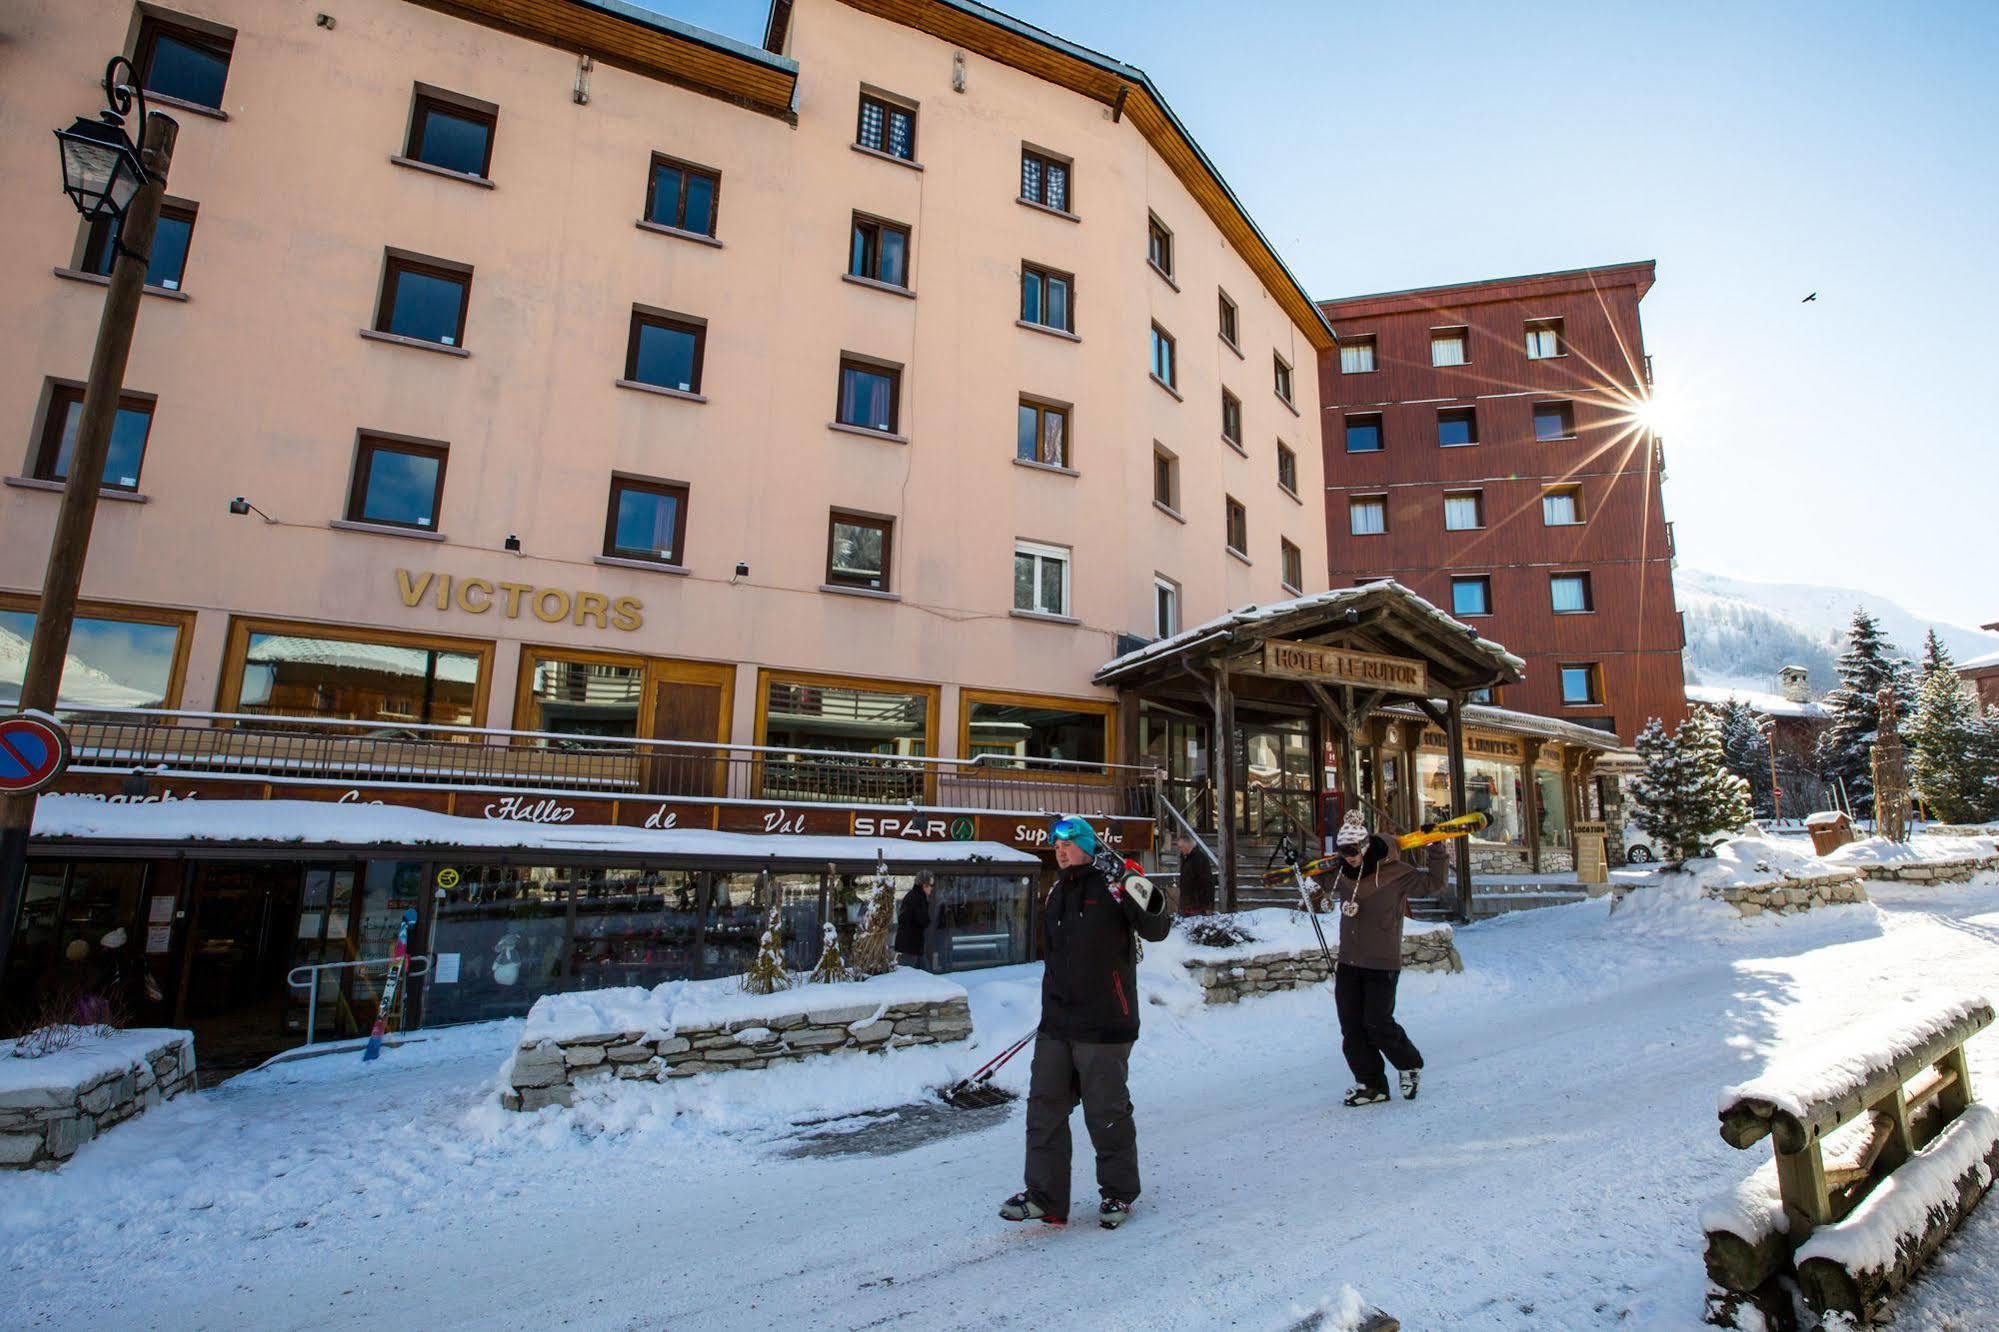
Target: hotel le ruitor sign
x: 1330, y: 665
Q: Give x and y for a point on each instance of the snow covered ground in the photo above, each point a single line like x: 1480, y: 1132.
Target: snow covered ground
x: 1550, y: 1176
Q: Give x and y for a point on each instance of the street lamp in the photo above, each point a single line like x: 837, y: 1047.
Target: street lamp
x: 118, y: 183
x: 1768, y: 725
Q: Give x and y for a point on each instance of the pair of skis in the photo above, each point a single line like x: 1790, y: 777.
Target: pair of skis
x: 399, y: 961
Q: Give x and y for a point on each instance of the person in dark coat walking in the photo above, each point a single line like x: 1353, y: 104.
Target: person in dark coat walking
x: 1091, y: 923
x: 1373, y: 891
x: 1197, y: 878
x: 912, y: 919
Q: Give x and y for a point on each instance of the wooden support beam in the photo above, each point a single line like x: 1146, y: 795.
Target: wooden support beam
x: 1530, y: 750
x: 1221, y: 763
x: 1454, y: 736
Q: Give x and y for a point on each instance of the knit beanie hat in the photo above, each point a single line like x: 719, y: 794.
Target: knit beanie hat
x: 1353, y: 830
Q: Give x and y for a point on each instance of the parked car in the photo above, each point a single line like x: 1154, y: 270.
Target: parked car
x: 1638, y: 848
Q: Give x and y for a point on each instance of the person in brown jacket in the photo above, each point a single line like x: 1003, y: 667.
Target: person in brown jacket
x: 1373, y: 892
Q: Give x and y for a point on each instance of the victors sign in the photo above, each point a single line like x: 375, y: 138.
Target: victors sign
x: 550, y: 605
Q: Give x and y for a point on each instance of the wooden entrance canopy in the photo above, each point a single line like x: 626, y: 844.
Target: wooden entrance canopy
x: 1348, y: 652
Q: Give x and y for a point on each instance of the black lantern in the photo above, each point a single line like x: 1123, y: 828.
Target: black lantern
x: 101, y: 171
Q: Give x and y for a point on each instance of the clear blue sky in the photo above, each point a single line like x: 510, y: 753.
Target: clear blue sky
x: 1758, y: 152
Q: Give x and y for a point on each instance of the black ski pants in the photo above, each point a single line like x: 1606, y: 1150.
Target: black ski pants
x: 1365, y: 998
x: 1064, y: 1073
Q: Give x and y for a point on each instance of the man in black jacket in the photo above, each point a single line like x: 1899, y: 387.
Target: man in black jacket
x: 1197, y: 878
x: 912, y: 919
x: 1090, y: 922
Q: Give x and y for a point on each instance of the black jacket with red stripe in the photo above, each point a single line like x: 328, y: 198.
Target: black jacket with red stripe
x: 1089, y: 934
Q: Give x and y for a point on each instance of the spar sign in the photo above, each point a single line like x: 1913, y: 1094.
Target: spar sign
x: 34, y: 749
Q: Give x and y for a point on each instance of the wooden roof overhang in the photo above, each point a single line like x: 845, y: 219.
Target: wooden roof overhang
x: 645, y: 42
x: 1130, y: 94
x: 1385, y: 619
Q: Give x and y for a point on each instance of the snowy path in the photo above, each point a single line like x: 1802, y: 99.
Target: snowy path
x: 1548, y: 1177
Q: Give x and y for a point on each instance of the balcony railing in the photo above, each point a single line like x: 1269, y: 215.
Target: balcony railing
x: 257, y: 747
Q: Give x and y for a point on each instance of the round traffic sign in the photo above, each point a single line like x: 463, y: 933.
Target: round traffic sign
x: 34, y: 749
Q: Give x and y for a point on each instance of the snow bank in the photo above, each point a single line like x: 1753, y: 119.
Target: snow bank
x: 323, y: 822
x: 1745, y: 861
x: 1804, y: 1079
x: 1271, y: 929
x: 1922, y: 849
x: 87, y: 1061
x: 660, y: 1011
x: 1902, y: 1208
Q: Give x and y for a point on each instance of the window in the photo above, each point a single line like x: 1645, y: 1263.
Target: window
x: 1579, y: 684
x: 128, y: 437
x: 1367, y: 515
x: 117, y: 658
x: 1485, y: 694
x: 879, y: 252
x: 423, y: 299
x: 857, y: 551
x: 181, y: 62
x: 1562, y: 506
x: 1281, y: 369
x: 1447, y: 346
x: 682, y: 196
x: 807, y: 713
x: 868, y: 394
x: 1471, y: 596
x: 1356, y: 356
x: 397, y: 482
x: 1554, y: 420
x: 1023, y: 728
x: 647, y: 520
x: 1163, y: 360
x: 1228, y: 321
x: 1047, y: 298
x: 1044, y: 180
x: 1464, y: 510
x: 1364, y: 433
x: 1040, y: 578
x: 1159, y: 246
x: 1231, y: 418
x: 1457, y: 426
x: 168, y: 261
x: 1571, y: 593
x: 451, y: 132
x: 886, y: 127
x: 1287, y: 467
x: 1165, y: 478
x: 1043, y: 433
x: 1294, y: 565
x: 377, y: 677
x: 1238, y: 525
x: 665, y: 350
x: 1165, y: 607
x: 583, y: 694
x: 1544, y: 339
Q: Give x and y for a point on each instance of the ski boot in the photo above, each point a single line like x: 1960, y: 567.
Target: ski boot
x: 1412, y: 1079
x: 1022, y: 1207
x: 1365, y: 1096
x: 1113, y: 1213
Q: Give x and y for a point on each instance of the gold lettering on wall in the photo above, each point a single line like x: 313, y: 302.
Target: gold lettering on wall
x: 550, y: 605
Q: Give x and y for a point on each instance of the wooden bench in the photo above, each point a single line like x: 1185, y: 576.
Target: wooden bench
x: 1880, y: 1150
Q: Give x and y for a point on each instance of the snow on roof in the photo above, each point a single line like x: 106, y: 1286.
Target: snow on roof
x: 1769, y: 705
x: 1484, y: 715
x: 1330, y: 600
x: 312, y: 823
x: 1980, y: 663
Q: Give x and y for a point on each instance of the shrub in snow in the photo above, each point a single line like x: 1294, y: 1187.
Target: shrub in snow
x: 1845, y: 748
x: 1217, y: 932
x: 1686, y: 794
x: 767, y: 974
x: 67, y: 1015
x: 874, y: 952
x: 832, y: 968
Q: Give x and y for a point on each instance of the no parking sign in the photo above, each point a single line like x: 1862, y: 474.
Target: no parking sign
x: 34, y: 749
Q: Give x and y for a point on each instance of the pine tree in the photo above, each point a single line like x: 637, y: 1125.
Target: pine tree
x: 1686, y: 793
x: 1746, y: 752
x: 1954, y: 763
x: 1936, y: 657
x: 874, y: 953
x: 767, y: 974
x: 832, y: 967
x: 1845, y: 748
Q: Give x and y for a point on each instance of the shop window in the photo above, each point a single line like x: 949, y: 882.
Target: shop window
x: 582, y: 694
x: 118, y: 658
x: 647, y: 521
x: 878, y: 251
x: 180, y: 61
x: 665, y: 350
x: 129, y: 431
x: 1363, y: 433
x: 868, y: 395
x: 67, y: 910
x: 1009, y: 731
x: 1492, y: 787
x: 887, y: 127
x: 857, y: 551
x: 423, y: 298
x: 1040, y: 578
x: 808, y: 714
x: 451, y: 133
x: 1047, y: 298
x: 166, y: 264
x: 1551, y: 794
x: 380, y: 681
x: 397, y: 482
x: 1044, y: 180
x: 506, y: 930
x: 682, y: 196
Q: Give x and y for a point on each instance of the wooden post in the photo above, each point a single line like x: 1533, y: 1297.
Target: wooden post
x: 1801, y: 1183
x: 1222, y: 763
x: 1530, y: 750
x: 1454, y: 737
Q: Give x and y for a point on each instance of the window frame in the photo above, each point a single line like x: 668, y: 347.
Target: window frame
x: 213, y: 38
x: 1065, y: 556
x: 646, y: 316
x: 686, y: 169
x: 1042, y: 409
x: 1043, y: 273
x: 235, y: 657
x: 883, y: 523
x: 1283, y: 380
x: 395, y: 263
x: 1575, y: 495
x: 768, y: 676
x: 1235, y: 521
x: 1547, y: 324
x: 1228, y: 321
x: 1445, y: 333
x: 862, y: 221
x: 868, y: 365
x: 1593, y: 672
x: 1350, y: 419
x: 969, y: 697
x: 1048, y: 160
x: 95, y: 243
x: 679, y: 491
x: 1291, y: 565
x: 180, y: 621
x: 1477, y: 497
x: 1158, y: 246
x: 1469, y: 415
x: 367, y: 443
x: 1372, y: 343
x: 1230, y: 400
x: 425, y: 98
x: 1484, y: 583
x: 1287, y: 461
x: 1160, y: 337
x: 1162, y: 584
x: 889, y: 104
x: 1588, y: 584
x: 1355, y: 502
x: 1565, y: 408
x: 1162, y: 454
x: 56, y: 395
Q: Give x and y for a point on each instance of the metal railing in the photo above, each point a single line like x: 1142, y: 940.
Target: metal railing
x: 184, y: 744
x: 311, y: 983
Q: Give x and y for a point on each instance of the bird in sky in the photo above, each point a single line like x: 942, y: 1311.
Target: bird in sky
x: 1814, y: 296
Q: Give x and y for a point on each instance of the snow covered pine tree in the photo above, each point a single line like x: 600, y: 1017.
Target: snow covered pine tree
x: 1954, y: 766
x: 1746, y: 752
x: 832, y: 967
x: 1845, y: 749
x: 767, y: 974
x: 873, y: 955
x: 1686, y: 794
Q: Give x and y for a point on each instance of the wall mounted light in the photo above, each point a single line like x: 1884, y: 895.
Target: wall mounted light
x: 239, y: 505
x: 513, y: 543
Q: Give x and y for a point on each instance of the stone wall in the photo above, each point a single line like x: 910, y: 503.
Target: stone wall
x: 1224, y: 981
x: 1786, y: 896
x: 548, y: 1072
x: 1956, y: 870
x: 1498, y: 859
x: 42, y: 1125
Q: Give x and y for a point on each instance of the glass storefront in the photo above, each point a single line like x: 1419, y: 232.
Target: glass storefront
x: 111, y: 663
x: 856, y: 719
x: 1552, y: 793
x: 1492, y: 788
x: 500, y: 935
x: 78, y: 941
x: 999, y: 729
x: 578, y: 697
x: 353, y: 679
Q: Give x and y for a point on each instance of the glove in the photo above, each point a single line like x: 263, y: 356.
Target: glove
x: 1142, y: 892
x: 1428, y: 827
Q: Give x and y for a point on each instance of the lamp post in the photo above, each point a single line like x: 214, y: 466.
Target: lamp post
x: 118, y: 184
x: 1768, y: 725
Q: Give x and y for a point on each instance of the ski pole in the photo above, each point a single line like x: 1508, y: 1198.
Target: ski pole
x: 992, y: 1066
x: 1305, y: 897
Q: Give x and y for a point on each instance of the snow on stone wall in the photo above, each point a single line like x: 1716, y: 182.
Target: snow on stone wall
x: 1922, y: 859
x: 51, y: 1106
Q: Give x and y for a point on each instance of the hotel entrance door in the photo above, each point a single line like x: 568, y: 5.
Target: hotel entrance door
x: 238, y: 952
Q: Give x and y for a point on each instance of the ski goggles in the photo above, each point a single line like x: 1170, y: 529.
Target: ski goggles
x: 1075, y: 830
